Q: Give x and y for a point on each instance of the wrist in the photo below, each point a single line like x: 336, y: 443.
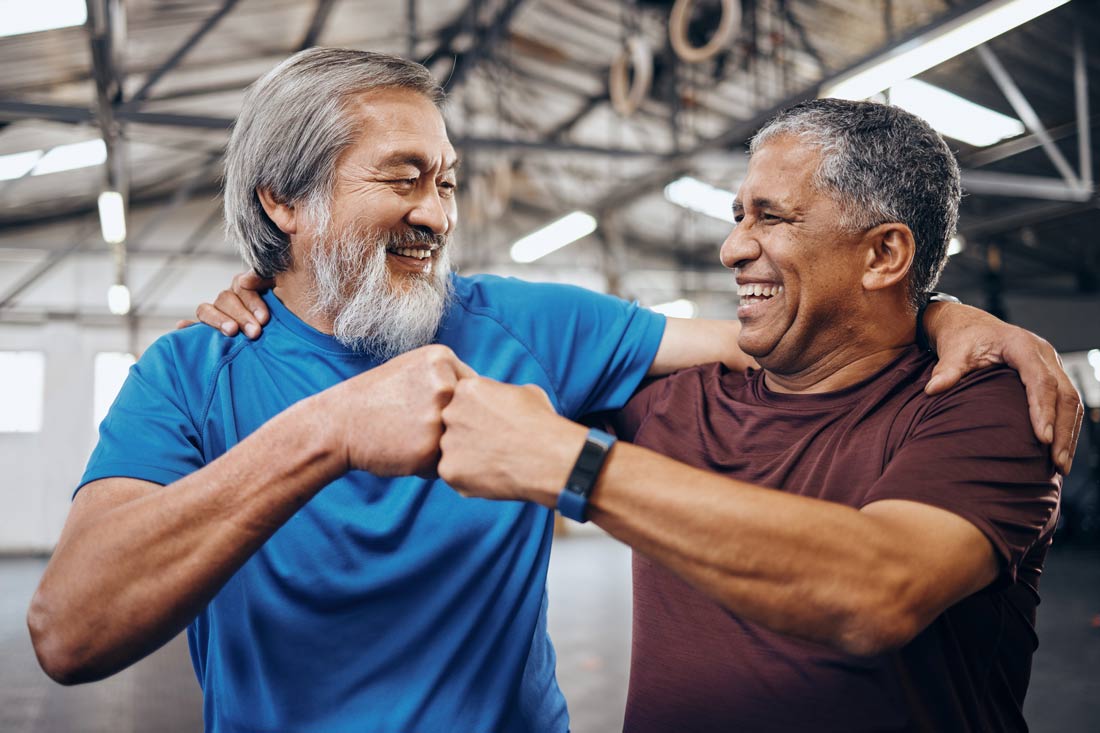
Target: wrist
x: 928, y: 317
x: 317, y: 419
x: 561, y: 444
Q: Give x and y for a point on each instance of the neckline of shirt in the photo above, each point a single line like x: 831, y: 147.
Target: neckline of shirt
x: 902, y: 365
x: 301, y: 329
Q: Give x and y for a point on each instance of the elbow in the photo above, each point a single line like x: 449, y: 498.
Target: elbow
x: 875, y: 633
x: 55, y: 653
x: 882, y: 621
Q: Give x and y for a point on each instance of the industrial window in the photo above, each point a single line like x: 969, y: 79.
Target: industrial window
x: 111, y: 368
x: 22, y: 378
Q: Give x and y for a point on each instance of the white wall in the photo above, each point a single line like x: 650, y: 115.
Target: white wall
x: 38, y: 471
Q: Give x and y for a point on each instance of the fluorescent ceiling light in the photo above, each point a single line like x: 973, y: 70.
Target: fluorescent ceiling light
x: 18, y: 165
x: 553, y: 236
x: 696, y: 195
x: 23, y: 16
x: 677, y: 309
x: 1094, y: 361
x: 956, y: 245
x: 118, y: 299
x: 922, y: 53
x: 954, y: 116
x: 71, y: 157
x: 112, y: 217
x: 55, y: 160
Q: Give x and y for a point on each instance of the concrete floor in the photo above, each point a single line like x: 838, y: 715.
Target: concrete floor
x: 589, y: 621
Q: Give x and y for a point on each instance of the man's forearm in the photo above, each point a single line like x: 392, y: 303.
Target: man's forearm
x: 124, y: 580
x: 688, y: 342
x: 810, y: 568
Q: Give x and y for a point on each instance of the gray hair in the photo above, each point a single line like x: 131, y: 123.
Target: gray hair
x: 882, y: 165
x: 294, y: 125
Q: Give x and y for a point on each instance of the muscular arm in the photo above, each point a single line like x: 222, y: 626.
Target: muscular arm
x: 863, y: 581
x: 690, y: 341
x: 137, y: 562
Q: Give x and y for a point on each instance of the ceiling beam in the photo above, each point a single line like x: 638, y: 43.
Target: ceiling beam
x: 185, y: 48
x: 992, y: 183
x: 486, y: 40
x: 85, y: 230
x: 316, y: 24
x: 979, y: 227
x: 11, y: 109
x: 547, y: 146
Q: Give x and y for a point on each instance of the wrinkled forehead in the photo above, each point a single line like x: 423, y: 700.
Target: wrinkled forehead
x: 404, y: 119
x: 781, y: 168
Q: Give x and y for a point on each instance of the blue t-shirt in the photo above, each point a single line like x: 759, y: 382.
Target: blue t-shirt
x: 383, y: 605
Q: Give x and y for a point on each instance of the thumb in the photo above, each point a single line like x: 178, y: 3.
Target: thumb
x: 944, y: 376
x: 463, y: 370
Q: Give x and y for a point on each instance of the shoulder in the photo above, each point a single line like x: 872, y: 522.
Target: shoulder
x: 188, y: 359
x: 494, y: 296
x: 997, y: 390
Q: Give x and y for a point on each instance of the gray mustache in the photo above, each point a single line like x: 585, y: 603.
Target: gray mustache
x: 415, y: 237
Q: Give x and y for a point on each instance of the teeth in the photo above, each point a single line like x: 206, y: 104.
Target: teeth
x: 419, y: 254
x: 758, y: 290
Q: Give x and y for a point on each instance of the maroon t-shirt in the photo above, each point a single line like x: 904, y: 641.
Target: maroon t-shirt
x: 697, y: 667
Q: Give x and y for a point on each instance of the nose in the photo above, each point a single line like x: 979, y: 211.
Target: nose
x: 432, y: 211
x: 740, y: 247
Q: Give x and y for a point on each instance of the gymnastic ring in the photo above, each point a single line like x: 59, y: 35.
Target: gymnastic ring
x: 678, y: 30
x: 636, y: 53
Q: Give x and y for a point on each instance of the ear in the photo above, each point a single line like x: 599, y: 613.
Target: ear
x: 284, y: 215
x: 890, y: 250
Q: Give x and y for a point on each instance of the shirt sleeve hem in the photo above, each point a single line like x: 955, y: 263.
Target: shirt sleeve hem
x: 153, y: 474
x: 981, y: 523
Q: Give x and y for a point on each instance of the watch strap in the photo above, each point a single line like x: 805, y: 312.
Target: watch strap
x: 573, y: 499
x: 930, y: 297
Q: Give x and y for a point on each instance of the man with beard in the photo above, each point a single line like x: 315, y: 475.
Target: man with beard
x: 377, y: 604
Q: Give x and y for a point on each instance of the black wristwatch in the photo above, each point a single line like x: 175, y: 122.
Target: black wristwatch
x: 573, y: 499
x: 932, y: 297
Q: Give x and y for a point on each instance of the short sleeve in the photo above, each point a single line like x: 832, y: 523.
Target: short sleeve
x: 595, y: 348
x: 628, y: 421
x: 149, y: 432
x: 973, y: 453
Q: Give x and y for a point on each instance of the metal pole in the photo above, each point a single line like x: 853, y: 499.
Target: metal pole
x: 1027, y: 114
x: 1081, y: 92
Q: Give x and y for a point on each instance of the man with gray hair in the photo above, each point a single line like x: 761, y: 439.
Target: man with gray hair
x: 382, y: 604
x: 245, y: 490
x: 833, y: 549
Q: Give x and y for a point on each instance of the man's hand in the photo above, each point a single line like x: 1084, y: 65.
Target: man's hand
x: 240, y: 308
x: 967, y: 338
x: 389, y: 420
x: 506, y: 442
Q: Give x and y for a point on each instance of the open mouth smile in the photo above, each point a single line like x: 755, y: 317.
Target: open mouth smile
x: 412, y: 259
x: 752, y: 293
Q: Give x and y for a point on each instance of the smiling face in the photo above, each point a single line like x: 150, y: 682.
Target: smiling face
x: 798, y: 269
x: 398, y: 181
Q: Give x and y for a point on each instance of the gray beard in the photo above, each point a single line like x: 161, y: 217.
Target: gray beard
x: 371, y: 310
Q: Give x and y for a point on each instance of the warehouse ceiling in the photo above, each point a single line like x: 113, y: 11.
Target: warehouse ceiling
x: 530, y: 109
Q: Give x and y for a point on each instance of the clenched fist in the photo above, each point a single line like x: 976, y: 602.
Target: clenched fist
x: 389, y: 420
x: 503, y: 441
